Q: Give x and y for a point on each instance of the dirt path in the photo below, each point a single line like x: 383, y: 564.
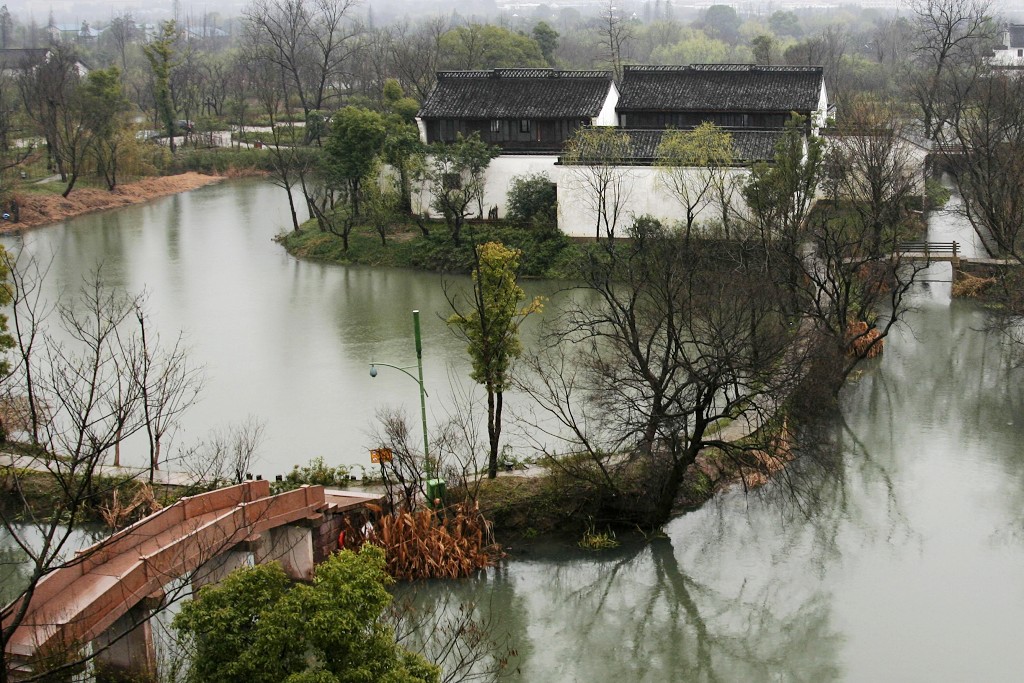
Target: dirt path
x: 42, y: 209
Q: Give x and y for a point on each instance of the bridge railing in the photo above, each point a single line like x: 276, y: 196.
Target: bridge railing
x: 931, y: 248
x: 222, y: 518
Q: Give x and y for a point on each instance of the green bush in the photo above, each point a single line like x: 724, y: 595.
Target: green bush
x: 545, y: 253
x: 936, y: 192
x: 218, y: 160
x: 532, y: 202
x: 317, y: 472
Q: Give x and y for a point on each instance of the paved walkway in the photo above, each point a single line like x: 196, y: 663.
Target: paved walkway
x: 163, y: 477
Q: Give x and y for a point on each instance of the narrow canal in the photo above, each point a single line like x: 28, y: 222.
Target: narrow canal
x: 902, y: 563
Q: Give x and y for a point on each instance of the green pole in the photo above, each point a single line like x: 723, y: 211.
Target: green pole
x: 423, y: 400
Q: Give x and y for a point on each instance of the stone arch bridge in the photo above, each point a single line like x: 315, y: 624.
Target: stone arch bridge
x: 105, y: 595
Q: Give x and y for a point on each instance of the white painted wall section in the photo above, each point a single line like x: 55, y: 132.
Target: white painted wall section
x: 607, y: 115
x: 644, y: 193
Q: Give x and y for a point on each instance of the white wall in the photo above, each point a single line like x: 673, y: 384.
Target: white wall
x: 607, y: 115
x: 498, y: 179
x: 644, y: 194
x: 821, y: 113
x: 1007, y: 58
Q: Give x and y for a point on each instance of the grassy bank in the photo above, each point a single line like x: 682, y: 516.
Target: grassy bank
x: 547, y: 254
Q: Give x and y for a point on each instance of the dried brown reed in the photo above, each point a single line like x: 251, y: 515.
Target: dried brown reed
x: 448, y: 544
x: 969, y: 286
x: 117, y: 514
x: 862, y: 341
x: 765, y: 463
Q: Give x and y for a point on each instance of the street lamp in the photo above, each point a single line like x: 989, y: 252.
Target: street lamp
x: 423, y: 390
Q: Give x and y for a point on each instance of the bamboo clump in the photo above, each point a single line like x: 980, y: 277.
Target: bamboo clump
x: 453, y: 543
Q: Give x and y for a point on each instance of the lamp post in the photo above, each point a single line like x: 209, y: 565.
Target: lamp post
x: 419, y: 380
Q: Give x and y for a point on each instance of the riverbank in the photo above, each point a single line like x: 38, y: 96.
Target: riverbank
x: 39, y: 208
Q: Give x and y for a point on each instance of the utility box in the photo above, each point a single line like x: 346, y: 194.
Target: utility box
x: 435, y: 492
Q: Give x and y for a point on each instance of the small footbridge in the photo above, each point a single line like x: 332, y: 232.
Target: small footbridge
x: 106, y: 594
x: 930, y: 251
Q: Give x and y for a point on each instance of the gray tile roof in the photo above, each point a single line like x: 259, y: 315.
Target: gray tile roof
x: 1016, y: 32
x: 517, y: 94
x: 721, y: 87
x: 748, y: 145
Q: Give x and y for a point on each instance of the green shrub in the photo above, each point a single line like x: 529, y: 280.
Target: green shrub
x: 936, y: 192
x: 218, y: 160
x: 532, y: 202
x: 317, y: 472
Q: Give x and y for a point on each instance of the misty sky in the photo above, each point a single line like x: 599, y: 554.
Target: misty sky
x: 67, y: 11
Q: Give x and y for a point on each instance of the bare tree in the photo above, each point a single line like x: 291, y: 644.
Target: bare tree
x: 987, y: 161
x: 676, y: 335
x: 616, y: 31
x: 416, y: 53
x: 872, y: 171
x: 225, y: 455
x: 404, y: 476
x: 86, y: 387
x: 50, y: 92
x: 310, y: 42
x: 169, y: 383
x: 122, y: 31
x: 950, y: 36
x: 595, y: 158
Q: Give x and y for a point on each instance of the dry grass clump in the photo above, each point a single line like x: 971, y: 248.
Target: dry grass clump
x: 118, y: 514
x: 449, y: 544
x: 862, y: 341
x: 762, y: 465
x: 969, y: 286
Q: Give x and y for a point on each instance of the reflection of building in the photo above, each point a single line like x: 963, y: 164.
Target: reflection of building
x: 1011, y: 54
x: 532, y: 113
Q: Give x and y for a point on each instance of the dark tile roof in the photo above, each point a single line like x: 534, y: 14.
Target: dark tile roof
x: 517, y: 94
x: 1016, y: 35
x: 748, y: 145
x: 721, y: 87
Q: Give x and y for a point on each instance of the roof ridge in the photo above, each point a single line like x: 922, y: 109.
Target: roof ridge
x: 525, y: 72
x: 752, y: 68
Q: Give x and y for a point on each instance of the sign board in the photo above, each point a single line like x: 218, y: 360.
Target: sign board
x: 379, y: 455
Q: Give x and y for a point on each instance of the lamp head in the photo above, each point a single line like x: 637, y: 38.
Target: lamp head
x: 373, y: 370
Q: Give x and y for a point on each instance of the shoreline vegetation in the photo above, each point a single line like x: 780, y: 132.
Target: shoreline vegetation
x: 38, y: 209
x: 546, y: 253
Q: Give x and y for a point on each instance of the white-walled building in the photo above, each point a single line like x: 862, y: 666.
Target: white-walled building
x: 532, y: 113
x: 1010, y: 55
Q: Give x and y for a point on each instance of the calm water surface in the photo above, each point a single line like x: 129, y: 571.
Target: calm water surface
x: 908, y: 566
x: 287, y: 341
x: 908, y: 569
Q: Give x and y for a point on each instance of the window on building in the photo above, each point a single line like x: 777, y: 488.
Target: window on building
x: 1020, y: 53
x: 495, y: 126
x: 524, y: 125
